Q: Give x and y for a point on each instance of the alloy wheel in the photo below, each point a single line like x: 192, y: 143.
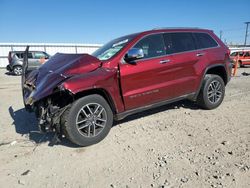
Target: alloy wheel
x: 214, y: 92
x: 91, y: 120
x: 18, y: 70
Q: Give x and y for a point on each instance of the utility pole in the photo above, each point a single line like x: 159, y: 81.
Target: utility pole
x: 246, y: 33
x: 221, y: 34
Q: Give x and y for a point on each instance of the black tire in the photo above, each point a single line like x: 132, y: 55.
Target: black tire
x: 240, y: 64
x: 209, y: 98
x: 85, y: 113
x: 18, y: 70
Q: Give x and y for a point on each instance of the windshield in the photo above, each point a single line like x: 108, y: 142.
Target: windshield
x: 112, y: 48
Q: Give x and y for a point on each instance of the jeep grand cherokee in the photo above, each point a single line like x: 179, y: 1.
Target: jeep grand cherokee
x: 79, y: 95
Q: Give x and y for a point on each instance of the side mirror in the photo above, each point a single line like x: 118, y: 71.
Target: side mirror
x: 134, y: 54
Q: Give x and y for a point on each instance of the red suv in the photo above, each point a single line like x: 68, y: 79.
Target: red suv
x: 79, y: 95
x: 243, y: 58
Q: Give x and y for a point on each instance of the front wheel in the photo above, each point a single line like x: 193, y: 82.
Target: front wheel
x: 212, y: 92
x: 18, y: 70
x: 88, y: 121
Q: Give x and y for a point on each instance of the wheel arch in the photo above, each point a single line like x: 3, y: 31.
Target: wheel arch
x: 100, y: 91
x: 219, y: 70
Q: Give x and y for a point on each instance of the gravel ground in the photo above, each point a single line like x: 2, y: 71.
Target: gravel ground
x: 178, y: 145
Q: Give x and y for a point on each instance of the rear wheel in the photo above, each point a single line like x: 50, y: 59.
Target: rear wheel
x: 212, y: 92
x: 240, y: 64
x: 18, y: 70
x: 88, y: 121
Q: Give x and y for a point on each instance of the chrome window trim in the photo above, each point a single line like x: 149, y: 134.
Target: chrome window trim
x: 177, y: 53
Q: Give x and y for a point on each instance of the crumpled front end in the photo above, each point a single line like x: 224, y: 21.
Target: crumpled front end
x: 48, y: 102
x: 42, y: 91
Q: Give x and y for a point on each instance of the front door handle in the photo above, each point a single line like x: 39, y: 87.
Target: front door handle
x: 200, y: 54
x: 164, y: 61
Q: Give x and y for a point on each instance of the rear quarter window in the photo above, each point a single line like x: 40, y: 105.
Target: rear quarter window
x: 38, y: 55
x: 204, y: 40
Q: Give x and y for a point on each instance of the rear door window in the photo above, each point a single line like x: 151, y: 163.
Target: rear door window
x: 179, y: 42
x: 152, y: 46
x: 39, y: 55
x: 241, y: 54
x: 247, y: 54
x: 204, y: 40
x: 21, y: 55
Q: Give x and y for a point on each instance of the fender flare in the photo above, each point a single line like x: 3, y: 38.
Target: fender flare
x: 204, y: 74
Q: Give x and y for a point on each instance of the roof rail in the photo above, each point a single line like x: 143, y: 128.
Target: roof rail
x: 159, y: 28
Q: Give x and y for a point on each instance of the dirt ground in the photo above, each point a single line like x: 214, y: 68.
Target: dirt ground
x: 178, y: 145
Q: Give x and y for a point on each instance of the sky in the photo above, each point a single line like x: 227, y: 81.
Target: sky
x: 98, y: 21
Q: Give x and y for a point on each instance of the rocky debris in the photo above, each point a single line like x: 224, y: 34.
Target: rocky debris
x: 215, y: 177
x: 13, y: 143
x: 27, y: 172
x: 224, y: 142
x: 245, y: 74
x: 166, y: 183
x: 242, y: 167
x: 162, y: 161
x: 160, y: 122
x: 4, y: 143
x: 184, y: 179
x: 21, y: 182
x: 156, y: 175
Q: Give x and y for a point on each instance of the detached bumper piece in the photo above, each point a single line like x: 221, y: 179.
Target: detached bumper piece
x: 49, y: 117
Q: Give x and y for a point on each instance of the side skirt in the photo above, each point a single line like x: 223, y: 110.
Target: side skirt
x: 124, y: 114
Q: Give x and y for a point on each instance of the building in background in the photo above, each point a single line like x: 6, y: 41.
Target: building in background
x: 46, y: 47
x: 234, y: 48
x: 53, y: 48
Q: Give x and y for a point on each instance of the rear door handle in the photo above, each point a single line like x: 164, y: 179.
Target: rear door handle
x: 164, y: 61
x: 200, y: 54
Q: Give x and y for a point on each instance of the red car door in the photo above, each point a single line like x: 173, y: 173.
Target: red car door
x: 158, y: 76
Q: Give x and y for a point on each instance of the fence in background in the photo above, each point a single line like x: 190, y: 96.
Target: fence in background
x: 48, y: 47
x: 233, y: 49
x: 60, y: 47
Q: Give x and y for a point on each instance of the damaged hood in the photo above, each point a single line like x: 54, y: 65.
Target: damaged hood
x: 43, y: 81
x: 69, y: 64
